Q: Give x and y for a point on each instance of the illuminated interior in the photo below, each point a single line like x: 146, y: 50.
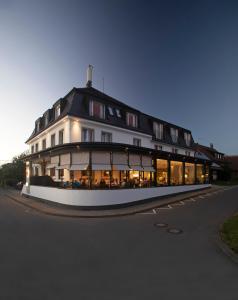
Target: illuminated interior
x: 162, y: 171
x: 189, y: 173
x: 176, y: 172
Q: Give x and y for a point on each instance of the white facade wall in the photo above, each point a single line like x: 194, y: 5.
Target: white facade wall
x: 73, y: 128
x: 104, y: 197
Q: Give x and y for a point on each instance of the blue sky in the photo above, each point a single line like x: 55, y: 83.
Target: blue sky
x: 177, y: 60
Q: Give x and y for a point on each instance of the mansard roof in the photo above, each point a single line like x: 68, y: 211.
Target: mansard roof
x: 75, y: 104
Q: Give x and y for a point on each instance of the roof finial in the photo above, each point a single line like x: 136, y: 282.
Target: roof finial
x: 89, y: 76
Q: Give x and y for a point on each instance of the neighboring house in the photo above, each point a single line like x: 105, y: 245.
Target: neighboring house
x: 233, y: 165
x: 217, y: 159
x: 90, y: 140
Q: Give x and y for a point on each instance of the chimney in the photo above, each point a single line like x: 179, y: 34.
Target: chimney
x: 89, y: 76
x: 211, y: 145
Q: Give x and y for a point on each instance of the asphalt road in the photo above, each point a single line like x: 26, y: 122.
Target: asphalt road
x: 43, y: 257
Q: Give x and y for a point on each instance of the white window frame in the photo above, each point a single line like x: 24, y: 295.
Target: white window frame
x: 187, y: 138
x: 59, y: 143
x: 135, y: 119
x: 135, y: 140
x: 91, y: 109
x: 158, y: 130
x: 110, y: 110
x: 57, y: 111
x: 87, y: 134
x: 118, y: 112
x: 174, y: 134
x: 108, y: 134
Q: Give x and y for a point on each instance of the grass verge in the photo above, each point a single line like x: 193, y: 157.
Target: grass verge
x: 229, y: 232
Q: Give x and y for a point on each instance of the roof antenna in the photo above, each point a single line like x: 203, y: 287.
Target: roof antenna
x: 89, y: 76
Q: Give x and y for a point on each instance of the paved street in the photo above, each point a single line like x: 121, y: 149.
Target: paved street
x: 46, y: 257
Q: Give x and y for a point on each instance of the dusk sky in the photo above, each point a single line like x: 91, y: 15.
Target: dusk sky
x: 176, y: 60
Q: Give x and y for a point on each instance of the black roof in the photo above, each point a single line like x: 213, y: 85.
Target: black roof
x: 75, y: 104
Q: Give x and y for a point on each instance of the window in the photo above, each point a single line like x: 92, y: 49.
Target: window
x: 162, y: 171
x: 52, y: 140
x: 110, y: 110
x: 52, y: 172
x: 131, y: 120
x: 174, y: 134
x: 174, y: 150
x: 61, y: 173
x: 46, y: 119
x: 158, y: 147
x: 61, y: 137
x: 136, y: 142
x: 36, y: 147
x: 57, y: 111
x: 187, y: 153
x: 200, y: 173
x: 44, y: 144
x: 176, y: 172
x: 38, y: 126
x: 187, y: 138
x: 32, y: 149
x: 97, y: 109
x: 158, y: 130
x: 118, y: 113
x: 87, y: 135
x: 106, y: 137
x: 189, y: 173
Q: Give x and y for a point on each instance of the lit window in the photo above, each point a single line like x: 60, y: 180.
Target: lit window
x: 106, y: 137
x: 176, y: 172
x: 57, y: 111
x: 187, y: 138
x: 52, y: 140
x: 174, y: 134
x: 87, y: 135
x: 131, y: 120
x: 158, y: 130
x: 118, y: 113
x: 97, y: 109
x: 61, y: 137
x: 110, y: 110
x: 136, y: 142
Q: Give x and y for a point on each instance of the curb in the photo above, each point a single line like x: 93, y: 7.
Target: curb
x: 49, y: 210
x: 224, y: 248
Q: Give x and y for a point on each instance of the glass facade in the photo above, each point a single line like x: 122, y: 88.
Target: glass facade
x: 200, y: 173
x: 189, y: 173
x: 162, y: 172
x: 176, y: 172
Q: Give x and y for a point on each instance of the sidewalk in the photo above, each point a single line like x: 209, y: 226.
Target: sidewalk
x: 62, y: 211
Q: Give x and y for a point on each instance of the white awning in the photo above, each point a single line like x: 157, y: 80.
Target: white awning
x: 54, y: 160
x: 149, y: 169
x: 121, y: 167
x: 119, y: 158
x: 101, y: 167
x: 136, y: 168
x: 80, y: 167
x: 65, y: 159
x: 215, y: 166
x: 63, y: 167
x: 80, y: 158
x: 51, y: 166
x: 101, y: 157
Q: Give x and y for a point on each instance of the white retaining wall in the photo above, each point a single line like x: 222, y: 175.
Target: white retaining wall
x: 105, y: 197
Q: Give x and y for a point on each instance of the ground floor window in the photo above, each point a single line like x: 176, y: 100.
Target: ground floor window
x: 176, y: 172
x: 200, y: 173
x: 189, y: 173
x: 162, y: 171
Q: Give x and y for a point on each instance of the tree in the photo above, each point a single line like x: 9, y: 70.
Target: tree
x: 13, y: 172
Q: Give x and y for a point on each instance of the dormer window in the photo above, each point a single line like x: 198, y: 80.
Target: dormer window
x: 131, y: 120
x: 158, y: 130
x: 46, y: 119
x: 97, y: 109
x: 57, y: 111
x: 174, y: 134
x: 110, y: 110
x: 187, y: 138
x: 38, y: 126
x: 118, y: 113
